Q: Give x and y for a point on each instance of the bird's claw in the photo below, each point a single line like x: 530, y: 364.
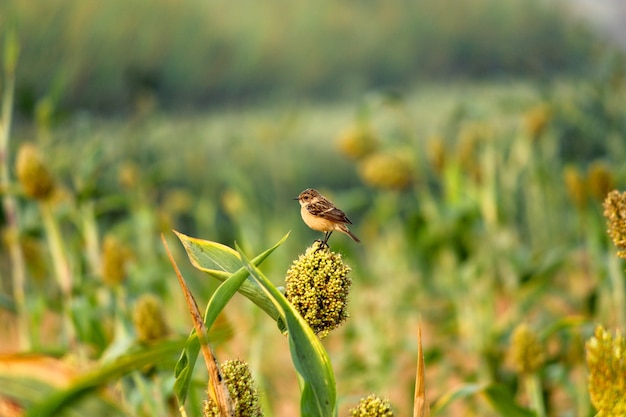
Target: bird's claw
x: 322, y: 244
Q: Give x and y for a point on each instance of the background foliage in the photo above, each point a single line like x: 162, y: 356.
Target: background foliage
x: 103, y: 55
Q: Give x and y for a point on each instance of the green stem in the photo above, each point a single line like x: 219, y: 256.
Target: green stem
x: 91, y: 236
x: 9, y: 205
x: 534, y: 391
x: 618, y: 290
x: 61, y: 266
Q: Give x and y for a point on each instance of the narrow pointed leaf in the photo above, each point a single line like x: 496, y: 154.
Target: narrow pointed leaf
x: 420, y: 405
x: 307, y: 353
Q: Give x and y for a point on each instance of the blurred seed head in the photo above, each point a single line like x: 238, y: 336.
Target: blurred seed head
x: 575, y: 186
x: 387, y: 171
x: 526, y: 352
x: 317, y: 285
x: 357, y: 141
x: 178, y: 201
x: 470, y: 138
x: 149, y: 319
x: 600, y: 180
x: 537, y: 119
x: 372, y: 406
x: 233, y: 202
x: 115, y: 256
x: 615, y: 214
x: 33, y: 174
x: 242, y: 391
x: 128, y: 175
x: 606, y: 360
x: 437, y: 153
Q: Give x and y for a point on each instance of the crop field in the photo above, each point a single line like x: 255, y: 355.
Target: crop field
x: 481, y: 205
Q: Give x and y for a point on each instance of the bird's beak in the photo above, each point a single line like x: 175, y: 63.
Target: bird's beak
x: 296, y: 198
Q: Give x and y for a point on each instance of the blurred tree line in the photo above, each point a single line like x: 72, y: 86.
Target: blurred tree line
x: 107, y: 56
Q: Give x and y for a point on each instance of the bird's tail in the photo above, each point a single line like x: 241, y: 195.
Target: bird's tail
x: 347, y: 231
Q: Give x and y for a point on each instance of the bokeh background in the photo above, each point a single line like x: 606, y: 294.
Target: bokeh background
x: 470, y: 142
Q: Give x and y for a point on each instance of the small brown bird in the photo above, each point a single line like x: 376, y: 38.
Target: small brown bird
x: 321, y: 214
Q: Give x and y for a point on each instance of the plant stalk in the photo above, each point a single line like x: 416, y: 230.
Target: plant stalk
x: 534, y: 391
x: 9, y: 205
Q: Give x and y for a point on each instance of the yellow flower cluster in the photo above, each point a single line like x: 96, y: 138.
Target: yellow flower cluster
x: 33, y: 174
x: 615, y: 213
x: 114, y: 258
x: 372, y: 406
x: 600, y: 179
x: 606, y: 359
x: 595, y: 183
x: 575, y: 186
x: 536, y: 120
x: 526, y: 352
x: 317, y: 285
x: 148, y: 319
x: 242, y: 391
x: 357, y: 141
x: 386, y: 170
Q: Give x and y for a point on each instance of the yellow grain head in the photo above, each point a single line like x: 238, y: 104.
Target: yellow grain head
x: 606, y: 360
x: 526, y: 353
x: 115, y: 257
x: 317, y: 285
x: 372, y: 406
x: 392, y: 171
x: 600, y: 180
x: 536, y: 120
x: 241, y: 388
x: 149, y: 319
x: 33, y: 174
x: 615, y: 214
x: 357, y: 141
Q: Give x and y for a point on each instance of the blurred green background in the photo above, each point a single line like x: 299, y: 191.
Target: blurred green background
x: 470, y: 142
x: 101, y: 56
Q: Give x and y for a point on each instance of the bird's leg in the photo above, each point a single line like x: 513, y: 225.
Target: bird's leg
x: 325, y: 241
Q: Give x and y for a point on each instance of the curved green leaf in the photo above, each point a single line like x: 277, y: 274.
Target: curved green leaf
x: 58, y: 400
x: 219, y: 255
x: 213, y: 258
x: 462, y: 392
x: 503, y: 401
x: 496, y: 395
x: 218, y: 261
x: 318, y: 391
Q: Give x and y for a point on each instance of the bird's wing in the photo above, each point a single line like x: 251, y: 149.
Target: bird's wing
x: 330, y: 213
